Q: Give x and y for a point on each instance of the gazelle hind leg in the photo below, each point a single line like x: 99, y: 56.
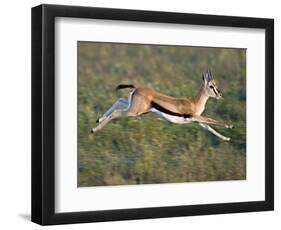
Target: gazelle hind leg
x: 120, y: 102
x: 214, y: 132
x: 113, y: 115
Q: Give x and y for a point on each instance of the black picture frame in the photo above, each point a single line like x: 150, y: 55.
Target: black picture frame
x: 43, y: 114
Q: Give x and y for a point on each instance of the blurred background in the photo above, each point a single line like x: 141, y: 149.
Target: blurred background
x: 141, y: 150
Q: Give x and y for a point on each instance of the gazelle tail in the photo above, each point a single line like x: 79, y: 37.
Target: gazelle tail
x: 124, y: 86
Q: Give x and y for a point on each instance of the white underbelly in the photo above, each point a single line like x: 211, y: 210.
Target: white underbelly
x: 173, y: 119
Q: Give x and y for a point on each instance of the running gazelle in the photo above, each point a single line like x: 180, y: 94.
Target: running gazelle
x: 176, y: 110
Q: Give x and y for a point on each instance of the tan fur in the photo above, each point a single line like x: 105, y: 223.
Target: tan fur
x: 142, y: 98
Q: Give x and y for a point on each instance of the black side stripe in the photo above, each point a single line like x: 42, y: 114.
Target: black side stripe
x: 164, y: 110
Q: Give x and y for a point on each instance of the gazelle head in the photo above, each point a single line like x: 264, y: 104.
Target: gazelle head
x: 210, y: 86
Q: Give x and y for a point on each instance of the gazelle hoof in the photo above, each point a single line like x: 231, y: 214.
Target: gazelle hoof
x: 99, y: 120
x: 226, y: 139
x: 93, y: 130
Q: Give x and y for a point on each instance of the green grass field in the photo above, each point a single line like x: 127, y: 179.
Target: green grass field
x: 141, y: 150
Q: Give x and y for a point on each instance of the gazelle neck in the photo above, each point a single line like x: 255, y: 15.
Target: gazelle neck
x: 200, y: 100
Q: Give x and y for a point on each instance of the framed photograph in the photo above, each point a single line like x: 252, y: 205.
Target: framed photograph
x: 141, y: 114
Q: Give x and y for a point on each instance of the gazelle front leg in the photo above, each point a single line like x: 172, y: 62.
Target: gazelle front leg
x: 120, y: 102
x: 207, y: 120
x: 214, y: 132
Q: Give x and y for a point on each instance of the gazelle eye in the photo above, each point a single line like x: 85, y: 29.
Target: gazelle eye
x: 211, y: 86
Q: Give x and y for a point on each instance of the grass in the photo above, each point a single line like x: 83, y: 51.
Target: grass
x: 141, y: 150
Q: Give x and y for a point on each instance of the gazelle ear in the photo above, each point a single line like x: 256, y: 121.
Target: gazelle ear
x: 203, y: 77
x: 209, y: 75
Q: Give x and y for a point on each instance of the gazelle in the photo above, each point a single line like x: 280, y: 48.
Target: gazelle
x: 175, y: 110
